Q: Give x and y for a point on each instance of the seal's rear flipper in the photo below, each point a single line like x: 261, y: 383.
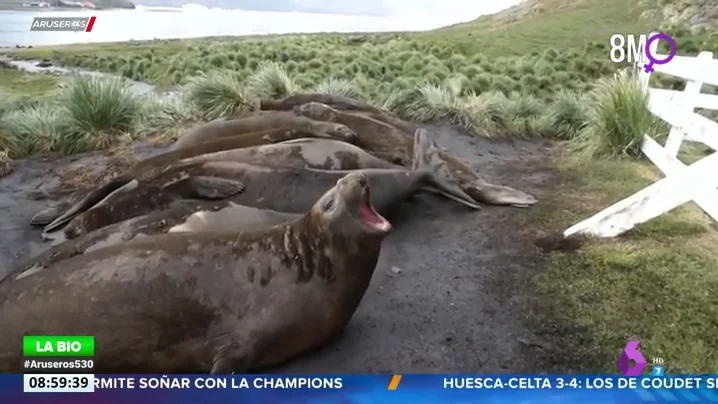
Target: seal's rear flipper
x: 47, y: 215
x: 206, y: 187
x: 442, y: 186
x: 499, y: 195
x: 87, y: 202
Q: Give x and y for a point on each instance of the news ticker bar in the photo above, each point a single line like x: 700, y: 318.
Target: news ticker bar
x: 45, y: 364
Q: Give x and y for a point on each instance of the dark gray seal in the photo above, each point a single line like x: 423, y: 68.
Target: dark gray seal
x: 283, y: 189
x: 58, y: 215
x: 299, y: 153
x: 207, y: 302
x: 183, y: 216
x: 391, y: 144
x: 234, y: 126
x: 378, y: 138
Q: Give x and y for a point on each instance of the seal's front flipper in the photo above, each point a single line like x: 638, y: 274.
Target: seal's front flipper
x: 424, y: 149
x: 499, y: 195
x: 206, y: 187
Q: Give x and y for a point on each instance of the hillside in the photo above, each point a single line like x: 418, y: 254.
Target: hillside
x: 535, y: 25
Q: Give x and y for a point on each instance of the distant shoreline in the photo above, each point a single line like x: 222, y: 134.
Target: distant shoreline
x: 20, y: 7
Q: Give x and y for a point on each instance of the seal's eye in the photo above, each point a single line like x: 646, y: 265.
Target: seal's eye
x: 328, y: 205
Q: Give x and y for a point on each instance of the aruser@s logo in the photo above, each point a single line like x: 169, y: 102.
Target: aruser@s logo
x: 631, y: 353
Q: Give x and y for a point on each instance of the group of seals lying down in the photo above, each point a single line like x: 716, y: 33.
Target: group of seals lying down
x: 251, y: 241
x: 217, y: 302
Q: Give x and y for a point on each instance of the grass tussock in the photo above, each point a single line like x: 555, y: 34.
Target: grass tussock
x: 339, y: 87
x: 36, y: 129
x: 618, y: 118
x: 271, y: 80
x: 99, y: 112
x: 167, y: 117
x: 218, y: 93
x: 567, y: 115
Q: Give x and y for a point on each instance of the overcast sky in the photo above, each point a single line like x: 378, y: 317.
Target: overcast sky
x: 439, y: 12
x: 467, y: 8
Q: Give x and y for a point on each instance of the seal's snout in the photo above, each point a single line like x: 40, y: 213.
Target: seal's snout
x: 345, y: 133
x: 356, y: 191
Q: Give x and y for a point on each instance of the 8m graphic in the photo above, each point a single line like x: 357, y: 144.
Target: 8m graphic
x: 624, y: 48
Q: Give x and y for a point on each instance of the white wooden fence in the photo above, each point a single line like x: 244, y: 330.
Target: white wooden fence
x: 697, y: 182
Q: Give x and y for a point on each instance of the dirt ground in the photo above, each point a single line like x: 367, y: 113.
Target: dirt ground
x: 450, y: 293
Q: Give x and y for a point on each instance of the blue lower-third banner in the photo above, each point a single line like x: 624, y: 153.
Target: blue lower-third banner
x: 324, y: 389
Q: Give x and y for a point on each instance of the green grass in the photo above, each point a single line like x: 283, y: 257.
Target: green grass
x: 14, y: 82
x: 655, y: 284
x: 558, y: 24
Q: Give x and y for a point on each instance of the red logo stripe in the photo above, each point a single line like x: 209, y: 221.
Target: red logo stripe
x: 90, y: 24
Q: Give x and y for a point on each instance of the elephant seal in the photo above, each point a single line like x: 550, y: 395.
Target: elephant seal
x: 336, y: 101
x: 388, y: 143
x: 58, y: 215
x: 159, y: 162
x: 340, y: 103
x: 225, y: 127
x: 323, y: 154
x: 284, y: 189
x: 182, y: 216
x: 208, y: 302
x: 378, y: 138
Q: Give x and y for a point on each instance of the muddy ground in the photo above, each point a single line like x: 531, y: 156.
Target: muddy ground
x: 450, y: 293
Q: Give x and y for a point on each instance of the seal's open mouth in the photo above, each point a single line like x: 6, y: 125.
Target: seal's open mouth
x: 370, y: 217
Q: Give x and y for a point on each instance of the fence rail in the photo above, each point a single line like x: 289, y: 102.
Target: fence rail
x: 697, y: 182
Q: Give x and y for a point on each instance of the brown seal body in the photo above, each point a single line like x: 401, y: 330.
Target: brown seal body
x: 339, y: 103
x: 378, y: 138
x: 58, y: 215
x: 207, y: 302
x: 324, y: 154
x: 226, y: 127
x: 336, y: 101
x: 182, y: 216
x: 389, y: 143
x: 283, y: 189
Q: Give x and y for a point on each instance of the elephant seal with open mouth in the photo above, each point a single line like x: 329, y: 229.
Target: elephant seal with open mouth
x: 207, y: 302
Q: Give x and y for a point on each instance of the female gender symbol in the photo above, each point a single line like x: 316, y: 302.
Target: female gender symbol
x: 653, y: 60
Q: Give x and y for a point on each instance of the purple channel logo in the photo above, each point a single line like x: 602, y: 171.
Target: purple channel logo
x: 652, y: 59
x: 631, y: 353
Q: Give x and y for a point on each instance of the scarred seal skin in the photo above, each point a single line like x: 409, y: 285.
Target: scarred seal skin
x: 234, y: 126
x: 182, y: 216
x: 284, y: 189
x: 378, y: 138
x: 207, y: 302
x: 391, y: 144
x: 58, y: 215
